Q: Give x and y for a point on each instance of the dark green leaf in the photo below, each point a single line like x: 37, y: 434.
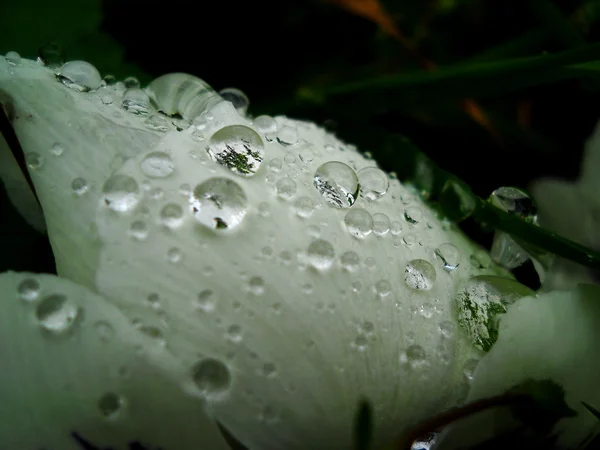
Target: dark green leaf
x: 591, y: 409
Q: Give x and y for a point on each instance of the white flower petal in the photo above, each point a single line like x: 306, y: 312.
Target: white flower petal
x: 72, y: 365
x: 554, y: 336
x: 72, y: 135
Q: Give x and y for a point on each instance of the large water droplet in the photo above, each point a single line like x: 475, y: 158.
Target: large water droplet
x: 481, y: 301
x: 219, y: 203
x: 321, y: 254
x: 359, y: 222
x: 211, y: 377
x: 34, y: 160
x: 337, y: 183
x: 136, y: 101
x: 121, y: 193
x: 29, y: 289
x: 414, y: 356
x: 238, y: 99
x: 157, y: 165
x: 80, y: 76
x: 419, y: 275
x: 110, y: 405
x: 237, y: 147
x: 13, y: 58
x: 287, y: 136
x: 448, y: 255
x: 79, y: 186
x: 56, y: 313
x: 374, y: 183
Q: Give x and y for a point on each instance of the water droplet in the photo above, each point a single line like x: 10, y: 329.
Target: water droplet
x: 157, y: 122
x: 256, y: 285
x: 414, y: 356
x: 289, y: 158
x: 135, y: 101
x: 154, y: 333
x: 269, y: 370
x: 337, y: 183
x: 304, y: 207
x: 56, y: 313
x: 205, y: 300
x: 287, y: 136
x: 121, y: 193
x: 426, y: 310
x: 449, y: 256
x: 374, y: 183
x: 104, y: 330
x: 419, y: 275
x: 396, y: 228
x: 109, y: 79
x: 360, y: 343
x: 481, y: 301
x: 110, y: 405
x: 174, y: 255
x: 265, y: 124
x: 381, y: 224
x: 413, y: 214
x: 106, y: 100
x: 469, y: 369
x: 383, y: 288
x: 79, y: 186
x: 131, y: 82
x: 80, y: 76
x: 238, y: 99
x: 138, y: 230
x: 157, y: 165
x: 321, y: 254
x: 350, y: 260
x: 219, y: 203
x: 198, y: 136
x: 29, y: 289
x: 234, y: 333
x: 275, y: 165
x: 171, y: 215
x: 13, y: 58
x: 237, y: 147
x: 211, y: 377
x: 359, y: 222
x: 514, y: 201
x: 286, y: 188
x: 57, y: 149
x: 306, y: 155
x: 447, y: 329
x: 34, y: 160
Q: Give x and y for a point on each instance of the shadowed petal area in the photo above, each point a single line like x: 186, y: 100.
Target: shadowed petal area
x: 74, y: 369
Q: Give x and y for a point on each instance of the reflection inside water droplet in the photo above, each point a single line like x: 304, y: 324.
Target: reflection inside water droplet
x: 219, y: 203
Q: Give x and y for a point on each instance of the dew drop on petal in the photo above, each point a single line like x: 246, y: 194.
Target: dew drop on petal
x: 469, y: 369
x: 256, y: 285
x: 205, y: 300
x: 287, y: 136
x: 350, y: 260
x: 121, y: 193
x: 56, y: 313
x: 381, y: 224
x: 514, y: 201
x: 414, y: 356
x: 174, y: 255
x: 157, y: 165
x: 34, y: 160
x: 265, y: 124
x: 104, y: 330
x: 286, y: 188
x: 13, y: 58
x: 211, y: 377
x: 419, y: 274
x: 237, y: 147
x: 374, y: 183
x: 337, y: 183
x: 136, y: 101
x: 304, y: 207
x: 234, y: 334
x: 171, y: 215
x: 138, y: 230
x: 110, y: 405
x: 219, y: 203
x: 359, y: 222
x: 321, y: 254
x: 413, y: 214
x: 448, y: 255
x: 80, y: 76
x: 157, y: 122
x: 28, y: 289
x: 79, y: 186
x: 275, y: 165
x: 57, y: 149
x: 238, y: 99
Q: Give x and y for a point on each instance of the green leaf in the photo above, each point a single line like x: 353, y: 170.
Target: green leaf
x: 555, y: 23
x: 544, y: 404
x: 363, y: 426
x: 457, y: 200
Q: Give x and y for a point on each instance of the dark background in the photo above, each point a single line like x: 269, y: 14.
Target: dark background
x: 272, y: 49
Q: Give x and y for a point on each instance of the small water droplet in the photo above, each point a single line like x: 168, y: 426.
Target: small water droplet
x: 374, y: 183
x: 56, y: 313
x: 211, y: 377
x: 234, y: 333
x: 171, y: 215
x: 469, y: 369
x: 275, y: 165
x: 174, y: 255
x: 337, y: 183
x: 104, y: 330
x: 381, y: 224
x: 413, y: 214
x: 256, y: 285
x: 109, y: 79
x: 110, y: 405
x: 237, y: 147
x: 360, y: 343
x: 205, y: 300
x: 265, y: 124
x: 79, y: 186
x: 29, y: 289
x: 157, y: 165
x: 34, y: 160
x: 350, y: 260
x: 106, y: 100
x: 419, y: 275
x: 80, y: 76
x: 514, y: 201
x: 138, y: 230
x: 306, y: 155
x: 414, y: 356
x: 287, y: 136
x: 121, y: 193
x: 136, y: 101
x: 286, y: 188
x: 447, y: 329
x: 304, y: 207
x: 219, y: 203
x: 13, y: 58
x: 269, y: 370
x: 359, y: 222
x: 57, y: 149
x: 157, y: 122
x: 238, y: 99
x: 154, y: 333
x: 449, y: 255
x: 321, y: 254
x: 131, y: 82
x: 289, y: 158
